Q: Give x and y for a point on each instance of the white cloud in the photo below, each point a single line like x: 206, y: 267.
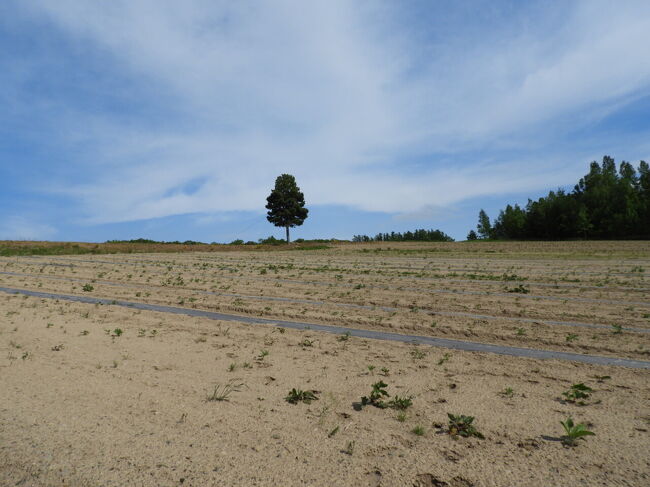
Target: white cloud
x: 327, y: 91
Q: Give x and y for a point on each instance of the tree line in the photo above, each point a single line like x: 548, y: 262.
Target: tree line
x: 419, y: 235
x: 607, y: 203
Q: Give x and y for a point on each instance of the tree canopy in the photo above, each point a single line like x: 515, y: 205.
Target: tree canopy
x: 286, y: 204
x: 605, y: 204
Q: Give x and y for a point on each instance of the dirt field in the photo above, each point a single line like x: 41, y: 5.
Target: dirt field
x: 86, y: 404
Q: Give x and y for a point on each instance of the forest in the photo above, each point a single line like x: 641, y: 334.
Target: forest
x: 420, y: 235
x: 607, y: 203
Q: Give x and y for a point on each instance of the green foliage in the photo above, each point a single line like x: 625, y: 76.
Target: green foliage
x: 577, y: 392
x: 418, y: 430
x: 606, y: 203
x: 376, y: 395
x: 222, y: 392
x: 472, y: 235
x: 296, y: 395
x: 286, y: 204
x: 521, y: 289
x: 87, y: 287
x: 400, y: 403
x: 461, y: 425
x: 117, y: 332
x: 419, y: 235
x: 484, y: 226
x: 574, y: 432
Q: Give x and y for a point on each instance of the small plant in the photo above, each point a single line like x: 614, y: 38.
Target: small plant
x: 521, y: 289
x: 296, y: 395
x: 378, y: 392
x: 417, y: 354
x: 617, y: 329
x: 345, y: 337
x: 574, y: 432
x: 401, y: 416
x: 371, y: 368
x: 57, y: 348
x: 117, y: 332
x: 263, y: 353
x: 84, y: 333
x: 142, y: 332
x: 400, y: 403
x: 418, y: 430
x: 508, y: 392
x: 385, y: 372
x: 461, y: 425
x: 49, y: 325
x: 577, y: 392
x: 87, y: 288
x: 232, y: 367
x: 222, y: 392
x: 25, y: 355
x: 571, y: 337
x: 444, y: 358
x: 307, y: 343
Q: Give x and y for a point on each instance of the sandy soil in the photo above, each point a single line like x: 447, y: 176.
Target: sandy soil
x: 83, y: 406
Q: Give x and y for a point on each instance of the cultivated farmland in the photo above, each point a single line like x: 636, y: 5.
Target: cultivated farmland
x: 114, y: 391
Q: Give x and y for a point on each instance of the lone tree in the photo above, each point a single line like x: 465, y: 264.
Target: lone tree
x: 286, y: 204
x: 484, y: 226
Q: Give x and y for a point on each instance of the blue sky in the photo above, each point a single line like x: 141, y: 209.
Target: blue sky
x: 170, y: 120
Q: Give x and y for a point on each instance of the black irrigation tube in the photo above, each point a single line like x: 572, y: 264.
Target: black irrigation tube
x: 342, y: 305
x: 339, y: 330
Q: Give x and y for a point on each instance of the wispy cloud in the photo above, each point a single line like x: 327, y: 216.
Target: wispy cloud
x: 210, y: 101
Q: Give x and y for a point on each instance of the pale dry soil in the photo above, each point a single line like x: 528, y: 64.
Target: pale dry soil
x: 80, y: 405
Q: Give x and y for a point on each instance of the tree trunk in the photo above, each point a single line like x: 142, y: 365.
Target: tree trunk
x: 287, y: 227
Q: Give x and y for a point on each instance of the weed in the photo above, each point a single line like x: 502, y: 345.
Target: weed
x: 307, y: 343
x: 117, y: 332
x: 296, y: 395
x: 371, y: 369
x: 377, y: 393
x: 521, y: 332
x: 577, y: 392
x: 263, y: 353
x: 507, y: 392
x: 444, y: 358
x: 87, y: 288
x: 84, y: 332
x: 521, y: 289
x: 418, y: 430
x: 574, y: 432
x: 142, y: 332
x: 571, y: 336
x: 417, y: 354
x: 333, y: 432
x: 222, y: 392
x: 385, y: 372
x: 401, y: 416
x: 461, y: 425
x: 25, y: 355
x: 58, y: 348
x: 49, y: 325
x: 400, y: 403
x: 617, y: 329
x: 232, y: 367
x: 345, y: 337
